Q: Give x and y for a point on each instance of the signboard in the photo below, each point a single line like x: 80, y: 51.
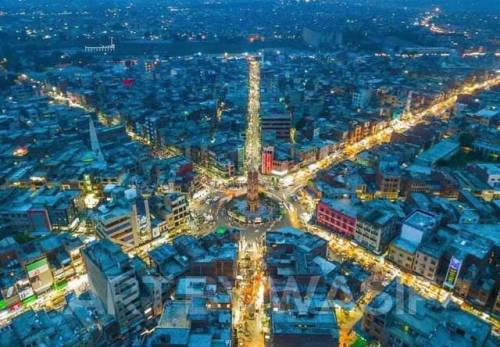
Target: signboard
x: 452, y: 274
x: 25, y: 293
x: 37, y: 267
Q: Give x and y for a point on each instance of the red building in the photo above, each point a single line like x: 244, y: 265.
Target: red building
x: 337, y: 215
x: 267, y: 160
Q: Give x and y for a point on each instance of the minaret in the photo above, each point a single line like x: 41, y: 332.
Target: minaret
x: 94, y: 142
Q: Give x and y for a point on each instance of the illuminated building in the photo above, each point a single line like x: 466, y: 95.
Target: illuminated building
x: 172, y: 208
x: 267, y: 160
x: 294, y: 259
x: 337, y: 215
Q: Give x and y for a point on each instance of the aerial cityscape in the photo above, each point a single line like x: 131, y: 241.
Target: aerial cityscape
x: 279, y: 173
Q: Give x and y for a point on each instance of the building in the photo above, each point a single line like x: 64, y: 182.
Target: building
x: 337, y: 215
x: 199, y: 311
x: 361, y: 98
x: 303, y: 329
x: 267, y: 160
x: 192, y: 322
x: 403, y: 249
x: 39, y: 274
x: 125, y: 219
x: 113, y: 280
x: 213, y: 255
x: 428, y: 256
x: 400, y: 317
x: 172, y: 208
x: 116, y: 224
x: 487, y: 116
x: 388, y: 179
x: 376, y: 228
x: 441, y: 151
x: 51, y: 328
x: 278, y: 124
x: 490, y: 173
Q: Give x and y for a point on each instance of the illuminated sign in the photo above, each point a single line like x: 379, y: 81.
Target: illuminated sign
x: 20, y: 151
x: 452, y: 274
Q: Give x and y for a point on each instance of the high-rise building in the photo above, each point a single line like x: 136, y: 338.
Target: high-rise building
x: 113, y: 280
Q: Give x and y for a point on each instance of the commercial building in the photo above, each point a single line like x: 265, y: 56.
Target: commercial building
x: 376, y: 227
x: 172, y: 208
x: 388, y: 179
x: 114, y: 281
x: 337, y: 215
x: 400, y: 317
x: 125, y: 219
x: 267, y: 160
x: 403, y: 249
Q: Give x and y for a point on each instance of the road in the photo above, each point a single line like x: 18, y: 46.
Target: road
x: 249, y: 314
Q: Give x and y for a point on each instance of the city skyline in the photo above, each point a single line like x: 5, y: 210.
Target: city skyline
x: 238, y: 173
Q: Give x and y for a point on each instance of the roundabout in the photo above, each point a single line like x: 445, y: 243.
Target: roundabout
x: 267, y: 211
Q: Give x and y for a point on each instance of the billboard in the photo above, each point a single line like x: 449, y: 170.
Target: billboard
x: 452, y: 273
